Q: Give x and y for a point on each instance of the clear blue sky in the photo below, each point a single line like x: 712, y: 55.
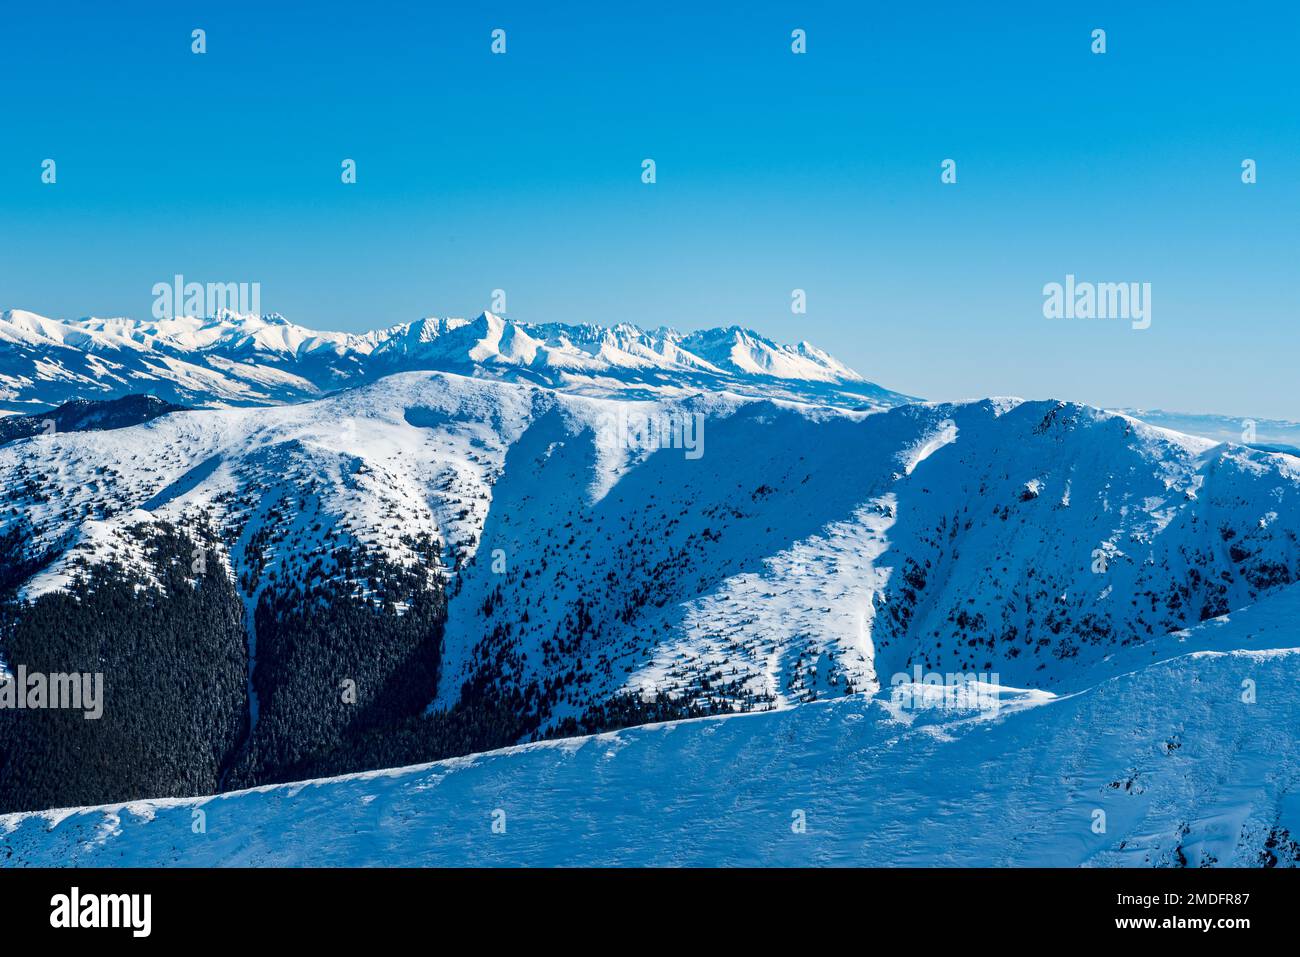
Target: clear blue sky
x: 775, y: 171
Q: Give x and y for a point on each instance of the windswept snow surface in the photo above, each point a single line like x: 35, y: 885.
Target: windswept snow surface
x: 1182, y: 753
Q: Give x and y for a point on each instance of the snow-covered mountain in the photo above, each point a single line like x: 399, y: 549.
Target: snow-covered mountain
x: 803, y: 553
x: 566, y: 530
x: 234, y: 360
x: 1158, y: 758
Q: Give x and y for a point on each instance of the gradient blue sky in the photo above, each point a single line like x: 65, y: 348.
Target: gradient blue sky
x: 775, y: 171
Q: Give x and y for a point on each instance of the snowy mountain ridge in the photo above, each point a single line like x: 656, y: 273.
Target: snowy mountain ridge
x: 240, y: 360
x: 805, y: 554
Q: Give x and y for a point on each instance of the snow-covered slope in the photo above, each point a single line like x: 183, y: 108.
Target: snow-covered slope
x: 234, y: 360
x: 1175, y: 753
x: 805, y: 552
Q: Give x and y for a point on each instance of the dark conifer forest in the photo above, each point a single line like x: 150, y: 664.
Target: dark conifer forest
x: 172, y: 653
x: 345, y: 664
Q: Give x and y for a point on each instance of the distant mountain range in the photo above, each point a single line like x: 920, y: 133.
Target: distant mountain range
x: 242, y: 360
x: 234, y: 360
x: 1268, y: 435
